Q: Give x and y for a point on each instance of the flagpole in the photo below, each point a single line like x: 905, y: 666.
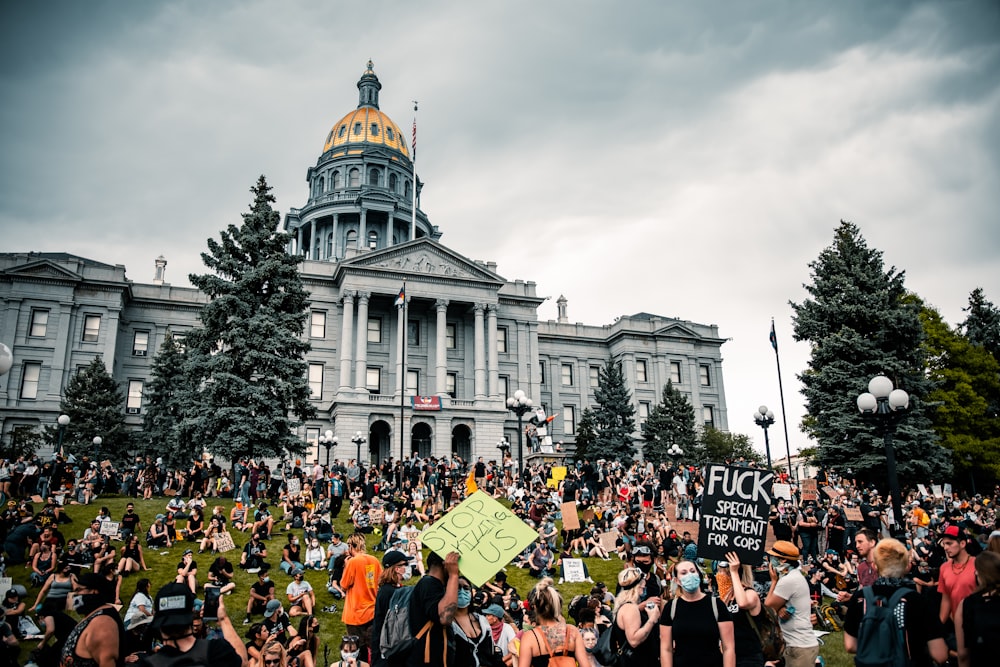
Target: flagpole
x: 402, y: 381
x: 413, y: 159
x: 781, y: 392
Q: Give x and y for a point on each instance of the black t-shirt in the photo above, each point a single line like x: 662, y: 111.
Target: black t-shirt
x: 382, y: 600
x: 277, y: 626
x: 696, y: 632
x: 216, y: 568
x: 981, y: 622
x: 424, y: 607
x: 130, y: 521
x: 920, y: 620
x: 220, y: 653
x: 262, y: 589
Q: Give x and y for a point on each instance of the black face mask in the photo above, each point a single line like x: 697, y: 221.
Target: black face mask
x: 645, y: 567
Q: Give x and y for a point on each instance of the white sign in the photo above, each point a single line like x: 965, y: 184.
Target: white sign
x: 573, y: 569
x: 947, y: 490
x: 782, y: 491
x: 109, y: 528
x: 294, y: 486
x: 936, y: 489
x: 922, y: 489
x: 5, y: 584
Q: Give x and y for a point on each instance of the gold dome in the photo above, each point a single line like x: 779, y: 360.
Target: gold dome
x: 367, y: 125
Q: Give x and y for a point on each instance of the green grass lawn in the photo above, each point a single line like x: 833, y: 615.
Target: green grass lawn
x: 162, y: 565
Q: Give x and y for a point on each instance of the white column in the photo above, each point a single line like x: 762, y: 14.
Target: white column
x: 312, y: 241
x: 298, y: 242
x: 346, y: 327
x: 400, y: 348
x: 336, y: 236
x: 479, y: 360
x: 441, y: 352
x: 492, y: 361
x: 361, y: 356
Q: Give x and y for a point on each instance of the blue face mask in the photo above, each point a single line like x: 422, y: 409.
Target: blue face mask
x: 690, y: 582
x: 464, y: 599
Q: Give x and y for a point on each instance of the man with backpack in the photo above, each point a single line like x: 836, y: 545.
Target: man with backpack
x: 173, y: 622
x: 433, y: 603
x: 889, y: 624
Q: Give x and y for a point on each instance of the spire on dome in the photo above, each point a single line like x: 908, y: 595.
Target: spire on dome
x: 368, y: 87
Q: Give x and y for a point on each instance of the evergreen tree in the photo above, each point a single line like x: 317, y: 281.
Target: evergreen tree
x: 21, y: 441
x: 96, y: 407
x: 966, y: 393
x: 982, y: 324
x: 246, y: 362
x: 671, y: 422
x: 586, y: 436
x: 860, y: 324
x: 615, y: 414
x: 165, y: 397
x: 719, y: 447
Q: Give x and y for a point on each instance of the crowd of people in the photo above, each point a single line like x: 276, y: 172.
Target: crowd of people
x: 836, y: 554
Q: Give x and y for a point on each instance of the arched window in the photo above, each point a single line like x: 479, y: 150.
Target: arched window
x: 406, y: 189
x: 374, y: 175
x: 373, y: 239
x: 329, y: 244
x: 354, y: 179
x: 351, y: 238
x: 338, y: 181
x: 342, y: 131
x: 392, y: 182
x: 319, y: 183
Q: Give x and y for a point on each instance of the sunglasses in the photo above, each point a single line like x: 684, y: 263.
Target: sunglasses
x: 276, y: 661
x: 642, y: 551
x: 349, y: 639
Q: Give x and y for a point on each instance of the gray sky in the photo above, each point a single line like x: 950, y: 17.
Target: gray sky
x: 687, y: 159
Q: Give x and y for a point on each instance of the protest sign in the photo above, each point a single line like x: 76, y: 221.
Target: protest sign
x: 485, y: 533
x: 922, y: 489
x: 109, y: 528
x: 831, y: 492
x: 609, y: 540
x: 853, y: 514
x: 947, y: 490
x: 809, y: 490
x: 558, y: 473
x: 5, y: 584
x: 294, y: 486
x: 734, y: 513
x: 573, y: 569
x: 588, y: 515
x: 782, y: 491
x: 936, y: 490
x: 570, y: 519
x: 224, y: 542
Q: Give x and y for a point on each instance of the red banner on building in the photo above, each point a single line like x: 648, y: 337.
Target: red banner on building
x: 427, y: 403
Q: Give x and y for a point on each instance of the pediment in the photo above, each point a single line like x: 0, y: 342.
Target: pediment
x: 679, y: 330
x: 43, y: 269
x: 422, y: 257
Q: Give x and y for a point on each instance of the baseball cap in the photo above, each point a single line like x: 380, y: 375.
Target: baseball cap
x: 954, y: 532
x: 393, y: 558
x: 494, y: 610
x: 174, y: 607
x: 272, y: 606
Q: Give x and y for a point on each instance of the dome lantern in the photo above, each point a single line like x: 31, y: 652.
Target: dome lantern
x: 368, y: 87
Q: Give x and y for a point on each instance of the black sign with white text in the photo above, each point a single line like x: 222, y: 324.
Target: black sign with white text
x: 734, y: 513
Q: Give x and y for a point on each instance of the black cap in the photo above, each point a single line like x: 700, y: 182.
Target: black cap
x: 174, y: 607
x: 393, y: 558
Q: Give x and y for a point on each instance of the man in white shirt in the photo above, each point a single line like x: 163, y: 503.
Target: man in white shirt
x: 301, y: 595
x: 789, y: 597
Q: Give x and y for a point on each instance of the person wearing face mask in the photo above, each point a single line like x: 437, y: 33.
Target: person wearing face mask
x: 642, y: 559
x: 635, y: 620
x: 394, y: 566
x: 291, y: 555
x: 315, y: 555
x: 350, y: 656
x: 789, y: 597
x: 503, y: 632
x: 590, y: 637
x: 694, y: 625
x: 98, y: 638
x: 473, y: 636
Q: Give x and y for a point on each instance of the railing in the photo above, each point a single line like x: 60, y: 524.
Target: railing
x: 381, y: 398
x: 462, y: 403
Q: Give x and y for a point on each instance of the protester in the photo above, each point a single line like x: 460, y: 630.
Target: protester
x: 551, y: 636
x: 634, y: 622
x: 434, y: 600
x: 789, y: 597
x: 977, y: 621
x: 695, y: 629
x: 473, y: 637
x: 359, y: 582
x: 98, y: 637
x: 745, y: 608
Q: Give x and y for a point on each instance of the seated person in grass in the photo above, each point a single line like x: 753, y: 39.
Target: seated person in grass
x: 195, y: 529
x: 261, y: 592
x: 263, y: 522
x: 159, y: 536
x: 238, y: 517
x: 254, y: 553
x: 301, y: 595
x: 220, y: 575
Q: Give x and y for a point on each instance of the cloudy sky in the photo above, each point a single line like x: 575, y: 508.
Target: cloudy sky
x: 686, y: 159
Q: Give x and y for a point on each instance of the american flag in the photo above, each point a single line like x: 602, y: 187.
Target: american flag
x: 414, y: 157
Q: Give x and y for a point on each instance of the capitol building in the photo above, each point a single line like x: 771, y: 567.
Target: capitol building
x: 472, y: 336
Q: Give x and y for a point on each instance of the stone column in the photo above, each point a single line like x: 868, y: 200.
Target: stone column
x: 361, y: 356
x: 493, y: 364
x: 336, y: 236
x: 479, y: 359
x: 346, y: 326
x: 298, y: 242
x: 363, y: 226
x: 313, y: 254
x: 441, y: 351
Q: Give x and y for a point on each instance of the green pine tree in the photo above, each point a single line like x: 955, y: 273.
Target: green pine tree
x: 719, y: 446
x: 95, y: 405
x: 615, y: 414
x: 982, y: 324
x: 166, y: 394
x: 246, y: 362
x: 967, y: 389
x: 860, y: 323
x: 586, y: 436
x: 671, y: 422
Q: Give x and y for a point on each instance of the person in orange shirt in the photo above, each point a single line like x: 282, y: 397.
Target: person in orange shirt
x: 360, y: 583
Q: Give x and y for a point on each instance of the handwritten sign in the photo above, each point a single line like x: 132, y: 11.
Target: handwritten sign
x: 294, y: 486
x: 922, y: 489
x: 609, y: 540
x: 570, y: 519
x: 109, y: 528
x: 809, y: 491
x: 947, y: 490
x: 853, y: 514
x: 573, y: 569
x: 734, y: 513
x: 485, y: 533
x: 782, y: 491
x: 831, y: 492
x: 936, y: 490
x: 224, y: 542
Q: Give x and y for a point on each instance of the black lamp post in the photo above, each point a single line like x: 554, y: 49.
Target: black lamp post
x: 675, y: 453
x: 887, y: 406
x: 359, y: 440
x: 504, y: 448
x: 328, y: 440
x: 520, y: 405
x: 63, y: 422
x: 765, y: 418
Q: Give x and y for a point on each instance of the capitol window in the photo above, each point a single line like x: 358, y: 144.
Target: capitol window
x: 338, y: 181
x: 392, y: 182
x: 342, y: 131
x: 374, y: 176
x: 390, y: 135
x: 351, y: 238
x: 357, y: 129
x: 354, y: 178
x: 374, y: 130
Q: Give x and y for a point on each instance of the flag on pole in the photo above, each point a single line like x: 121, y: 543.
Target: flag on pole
x: 414, y: 156
x: 401, y: 297
x: 470, y: 483
x: 774, y: 337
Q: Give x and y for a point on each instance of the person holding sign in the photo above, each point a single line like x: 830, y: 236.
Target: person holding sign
x: 694, y: 625
x: 435, y: 599
x: 745, y: 607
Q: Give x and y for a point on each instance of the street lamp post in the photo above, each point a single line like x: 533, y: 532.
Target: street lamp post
x: 63, y: 422
x: 887, y: 406
x: 765, y: 418
x: 359, y: 440
x: 519, y: 404
x: 328, y: 440
x: 98, y: 441
x: 6, y: 359
x: 675, y: 452
x: 504, y: 448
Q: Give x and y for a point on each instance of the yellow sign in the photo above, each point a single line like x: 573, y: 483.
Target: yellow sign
x: 485, y: 534
x: 558, y: 473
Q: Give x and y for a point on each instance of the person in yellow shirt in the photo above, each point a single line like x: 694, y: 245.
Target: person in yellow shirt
x: 360, y: 583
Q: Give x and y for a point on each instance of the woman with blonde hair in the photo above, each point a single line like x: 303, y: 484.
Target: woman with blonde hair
x: 272, y: 655
x: 696, y: 629
x: 736, y: 590
x: 635, y: 621
x: 551, y: 641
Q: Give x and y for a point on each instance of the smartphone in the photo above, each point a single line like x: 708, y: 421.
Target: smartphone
x: 210, y: 611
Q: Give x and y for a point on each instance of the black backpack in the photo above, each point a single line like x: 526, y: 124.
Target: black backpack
x: 396, y: 641
x: 881, y: 637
